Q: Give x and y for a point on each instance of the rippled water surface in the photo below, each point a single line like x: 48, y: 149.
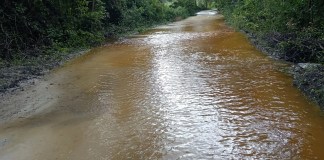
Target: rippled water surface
x: 194, y: 89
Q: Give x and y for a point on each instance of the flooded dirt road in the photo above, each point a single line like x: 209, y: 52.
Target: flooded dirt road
x: 194, y: 89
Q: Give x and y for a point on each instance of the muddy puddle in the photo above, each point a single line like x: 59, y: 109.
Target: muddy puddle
x: 194, y: 89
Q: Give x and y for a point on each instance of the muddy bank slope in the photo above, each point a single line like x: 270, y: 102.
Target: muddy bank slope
x: 17, y: 76
x: 308, y: 77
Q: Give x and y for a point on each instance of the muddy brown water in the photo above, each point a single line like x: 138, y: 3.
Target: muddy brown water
x: 194, y: 89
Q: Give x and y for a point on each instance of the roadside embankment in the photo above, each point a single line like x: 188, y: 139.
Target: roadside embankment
x: 15, y: 76
x: 308, y: 77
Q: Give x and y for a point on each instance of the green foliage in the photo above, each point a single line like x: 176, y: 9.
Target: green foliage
x: 173, y: 13
x: 298, y: 23
x: 136, y: 15
x: 27, y: 28
x: 190, y: 5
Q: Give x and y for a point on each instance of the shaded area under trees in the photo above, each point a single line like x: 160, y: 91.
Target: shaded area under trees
x: 29, y: 28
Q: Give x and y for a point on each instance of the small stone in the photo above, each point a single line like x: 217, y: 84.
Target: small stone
x: 307, y: 65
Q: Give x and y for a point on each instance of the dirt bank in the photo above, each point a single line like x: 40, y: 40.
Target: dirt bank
x: 28, y: 89
x: 17, y: 76
x: 308, y: 77
x: 20, y: 105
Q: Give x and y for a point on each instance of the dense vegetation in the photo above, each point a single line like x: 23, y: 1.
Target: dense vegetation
x: 30, y: 28
x: 295, y: 28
